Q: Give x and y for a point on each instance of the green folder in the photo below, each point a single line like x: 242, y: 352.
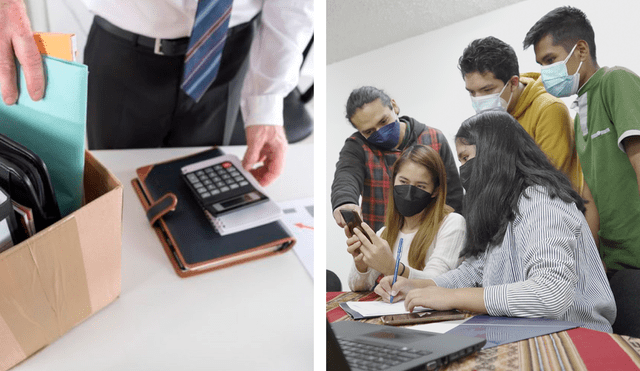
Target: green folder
x: 54, y: 127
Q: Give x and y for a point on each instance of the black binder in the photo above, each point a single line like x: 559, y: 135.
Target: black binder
x: 189, y: 240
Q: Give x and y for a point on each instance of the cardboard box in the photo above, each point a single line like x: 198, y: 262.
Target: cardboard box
x: 62, y: 275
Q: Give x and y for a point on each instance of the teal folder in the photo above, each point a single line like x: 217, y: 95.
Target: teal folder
x: 54, y: 127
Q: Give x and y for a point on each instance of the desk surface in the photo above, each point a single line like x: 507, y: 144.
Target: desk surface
x: 257, y: 315
x: 576, y: 349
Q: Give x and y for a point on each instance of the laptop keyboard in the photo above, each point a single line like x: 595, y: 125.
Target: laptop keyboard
x: 377, y: 357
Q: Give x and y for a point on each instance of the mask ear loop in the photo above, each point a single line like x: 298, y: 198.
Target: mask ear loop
x: 570, y: 54
x: 510, y: 96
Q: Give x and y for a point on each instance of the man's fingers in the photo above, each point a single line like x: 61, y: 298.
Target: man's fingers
x: 254, y: 146
x: 273, y: 164
x: 267, y: 144
x: 250, y: 157
x: 8, y: 77
x: 31, y: 62
x: 16, y: 37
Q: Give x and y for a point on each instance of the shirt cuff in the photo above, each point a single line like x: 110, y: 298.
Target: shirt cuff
x: 625, y: 135
x: 365, y: 273
x: 443, y: 282
x: 496, y: 300
x: 263, y: 110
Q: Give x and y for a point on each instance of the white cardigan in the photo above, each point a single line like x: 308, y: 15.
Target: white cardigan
x: 442, y: 256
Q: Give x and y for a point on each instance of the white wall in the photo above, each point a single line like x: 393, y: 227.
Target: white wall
x: 70, y: 16
x: 421, y: 75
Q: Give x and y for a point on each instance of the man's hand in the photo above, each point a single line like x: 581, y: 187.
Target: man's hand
x: 16, y: 37
x: 267, y: 144
x: 338, y: 216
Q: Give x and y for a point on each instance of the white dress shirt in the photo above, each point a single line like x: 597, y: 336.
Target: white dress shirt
x: 276, y: 52
x: 442, y: 256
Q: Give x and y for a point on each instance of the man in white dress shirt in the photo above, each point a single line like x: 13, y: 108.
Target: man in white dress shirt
x: 135, y: 98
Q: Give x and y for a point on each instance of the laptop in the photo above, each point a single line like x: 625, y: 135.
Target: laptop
x: 359, y: 346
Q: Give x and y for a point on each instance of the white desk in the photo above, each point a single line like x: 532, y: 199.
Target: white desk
x: 257, y: 315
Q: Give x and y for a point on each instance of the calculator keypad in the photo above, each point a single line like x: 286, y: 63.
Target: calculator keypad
x: 215, y: 180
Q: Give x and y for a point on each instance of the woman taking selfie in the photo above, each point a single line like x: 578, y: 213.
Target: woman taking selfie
x: 431, y: 233
x: 529, y: 251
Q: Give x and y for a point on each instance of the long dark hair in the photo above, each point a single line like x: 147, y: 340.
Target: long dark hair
x: 507, y: 161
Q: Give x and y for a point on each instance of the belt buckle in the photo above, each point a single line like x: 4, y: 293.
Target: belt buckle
x: 157, y: 47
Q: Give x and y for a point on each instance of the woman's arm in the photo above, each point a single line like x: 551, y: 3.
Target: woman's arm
x: 544, y: 237
x: 439, y: 298
x: 362, y: 281
x: 446, y: 249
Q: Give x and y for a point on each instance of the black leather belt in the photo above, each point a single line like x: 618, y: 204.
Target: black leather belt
x: 169, y: 47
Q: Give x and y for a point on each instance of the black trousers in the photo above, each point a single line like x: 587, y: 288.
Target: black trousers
x: 135, y: 100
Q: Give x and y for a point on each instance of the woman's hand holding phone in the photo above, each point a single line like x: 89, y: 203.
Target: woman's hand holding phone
x: 353, y: 248
x: 375, y: 250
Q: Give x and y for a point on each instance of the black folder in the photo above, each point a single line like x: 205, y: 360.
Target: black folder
x: 190, y: 241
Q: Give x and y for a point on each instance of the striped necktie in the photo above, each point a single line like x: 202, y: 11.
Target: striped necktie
x: 202, y: 60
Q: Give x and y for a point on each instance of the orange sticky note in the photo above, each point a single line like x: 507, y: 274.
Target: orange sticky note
x: 58, y: 45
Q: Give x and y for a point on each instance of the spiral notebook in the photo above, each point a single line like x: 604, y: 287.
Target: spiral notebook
x: 190, y: 241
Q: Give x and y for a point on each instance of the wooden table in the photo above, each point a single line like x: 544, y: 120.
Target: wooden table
x: 576, y: 349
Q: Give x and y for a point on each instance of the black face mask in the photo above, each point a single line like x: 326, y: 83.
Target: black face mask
x: 465, y: 173
x: 410, y: 200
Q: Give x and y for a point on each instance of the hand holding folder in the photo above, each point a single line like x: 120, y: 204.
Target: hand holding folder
x: 13, y: 15
x: 54, y: 127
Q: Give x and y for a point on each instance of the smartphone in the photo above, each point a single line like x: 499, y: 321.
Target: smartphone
x: 352, y: 218
x: 422, y: 317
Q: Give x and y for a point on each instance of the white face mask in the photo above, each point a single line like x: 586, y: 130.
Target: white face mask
x: 491, y: 102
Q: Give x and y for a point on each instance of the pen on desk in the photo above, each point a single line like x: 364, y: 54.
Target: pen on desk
x: 395, y: 274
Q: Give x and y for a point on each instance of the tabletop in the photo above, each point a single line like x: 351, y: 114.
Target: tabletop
x: 576, y: 349
x: 243, y: 317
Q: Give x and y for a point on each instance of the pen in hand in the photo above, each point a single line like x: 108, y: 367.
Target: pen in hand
x: 395, y: 274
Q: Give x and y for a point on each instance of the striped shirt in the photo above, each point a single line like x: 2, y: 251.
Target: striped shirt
x: 547, y: 266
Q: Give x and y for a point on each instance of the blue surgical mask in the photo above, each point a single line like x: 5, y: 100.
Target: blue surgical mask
x: 387, y: 136
x: 557, y: 80
x: 491, y: 102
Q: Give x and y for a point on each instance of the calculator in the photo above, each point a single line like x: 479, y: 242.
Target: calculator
x: 221, y: 184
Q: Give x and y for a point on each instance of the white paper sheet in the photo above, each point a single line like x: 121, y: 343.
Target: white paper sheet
x: 380, y: 308
x: 439, y: 327
x: 298, y: 217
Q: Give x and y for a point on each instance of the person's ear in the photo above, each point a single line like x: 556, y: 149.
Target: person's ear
x: 514, y: 81
x: 396, y: 108
x: 435, y: 193
x: 583, y: 51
